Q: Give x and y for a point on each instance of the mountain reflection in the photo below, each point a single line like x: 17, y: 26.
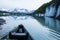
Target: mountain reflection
x: 52, y: 23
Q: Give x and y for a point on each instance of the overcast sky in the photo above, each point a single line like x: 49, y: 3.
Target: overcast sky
x: 27, y: 4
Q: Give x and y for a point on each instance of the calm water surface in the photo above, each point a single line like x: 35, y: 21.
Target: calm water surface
x: 39, y: 28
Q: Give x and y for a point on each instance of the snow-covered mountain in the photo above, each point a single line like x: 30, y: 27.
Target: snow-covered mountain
x: 2, y: 9
x: 22, y: 11
x: 17, y: 10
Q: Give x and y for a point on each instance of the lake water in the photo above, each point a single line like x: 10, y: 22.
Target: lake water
x: 39, y: 28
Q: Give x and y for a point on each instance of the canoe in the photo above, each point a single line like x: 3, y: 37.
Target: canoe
x: 20, y: 33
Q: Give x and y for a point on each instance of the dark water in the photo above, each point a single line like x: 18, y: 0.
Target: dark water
x: 40, y: 28
x: 51, y: 23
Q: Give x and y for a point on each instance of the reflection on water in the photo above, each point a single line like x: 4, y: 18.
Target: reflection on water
x: 40, y: 28
x: 58, y: 25
x: 21, y: 17
x: 49, y: 22
x: 40, y: 20
x: 12, y: 22
x: 52, y: 23
x: 0, y: 28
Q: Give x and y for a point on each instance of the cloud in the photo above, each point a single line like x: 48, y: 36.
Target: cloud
x: 28, y: 4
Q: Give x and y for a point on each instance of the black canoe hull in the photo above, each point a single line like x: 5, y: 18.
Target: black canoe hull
x: 20, y: 34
